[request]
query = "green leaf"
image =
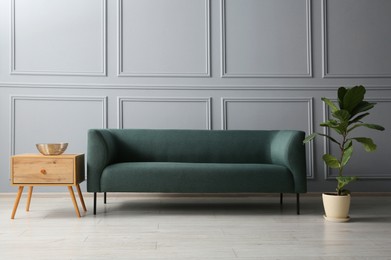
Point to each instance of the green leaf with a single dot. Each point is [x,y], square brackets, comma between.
[347,154]
[330,138]
[330,123]
[353,97]
[374,126]
[343,192]
[358,118]
[368,143]
[342,128]
[362,107]
[348,144]
[341,94]
[327,124]
[371,126]
[309,138]
[330,104]
[342,182]
[342,115]
[331,161]
[339,127]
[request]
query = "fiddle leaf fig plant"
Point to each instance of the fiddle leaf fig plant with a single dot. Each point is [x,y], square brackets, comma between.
[347,116]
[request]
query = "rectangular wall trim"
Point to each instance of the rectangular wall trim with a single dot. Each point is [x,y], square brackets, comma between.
[121,71]
[207,101]
[369,47]
[14,99]
[223,44]
[307,100]
[103,51]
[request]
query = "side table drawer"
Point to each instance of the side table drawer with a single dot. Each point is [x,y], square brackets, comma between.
[42,170]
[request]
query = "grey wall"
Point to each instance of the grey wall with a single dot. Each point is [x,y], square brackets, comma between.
[69,65]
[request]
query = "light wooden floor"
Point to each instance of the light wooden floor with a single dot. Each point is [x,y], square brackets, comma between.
[172,227]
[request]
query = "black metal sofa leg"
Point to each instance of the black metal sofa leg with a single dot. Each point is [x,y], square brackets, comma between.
[297,202]
[95,199]
[94,203]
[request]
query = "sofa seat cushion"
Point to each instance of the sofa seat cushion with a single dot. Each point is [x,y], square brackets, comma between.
[196,177]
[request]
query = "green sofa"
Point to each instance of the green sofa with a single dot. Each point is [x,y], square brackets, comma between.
[196,161]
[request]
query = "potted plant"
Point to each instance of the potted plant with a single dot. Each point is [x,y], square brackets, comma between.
[347,116]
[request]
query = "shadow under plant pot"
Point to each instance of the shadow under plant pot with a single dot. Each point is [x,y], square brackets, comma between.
[336,207]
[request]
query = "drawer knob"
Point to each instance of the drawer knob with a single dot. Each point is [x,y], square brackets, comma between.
[43,171]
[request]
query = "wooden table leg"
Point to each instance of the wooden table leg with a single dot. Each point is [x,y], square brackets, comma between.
[29,198]
[81,197]
[20,191]
[74,201]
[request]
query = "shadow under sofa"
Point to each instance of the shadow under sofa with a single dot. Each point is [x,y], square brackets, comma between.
[196,161]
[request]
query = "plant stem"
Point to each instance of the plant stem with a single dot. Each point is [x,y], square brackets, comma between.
[341,167]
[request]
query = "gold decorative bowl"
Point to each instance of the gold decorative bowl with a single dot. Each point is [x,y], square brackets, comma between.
[52,149]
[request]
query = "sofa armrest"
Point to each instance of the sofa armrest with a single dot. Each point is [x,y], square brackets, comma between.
[287,149]
[101,152]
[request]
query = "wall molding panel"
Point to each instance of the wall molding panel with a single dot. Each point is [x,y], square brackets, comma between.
[384,173]
[15,100]
[308,101]
[182,50]
[203,111]
[64,54]
[361,48]
[260,53]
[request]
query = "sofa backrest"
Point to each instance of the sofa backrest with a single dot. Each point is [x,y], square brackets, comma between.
[198,146]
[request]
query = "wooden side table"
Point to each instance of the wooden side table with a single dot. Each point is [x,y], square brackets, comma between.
[40,170]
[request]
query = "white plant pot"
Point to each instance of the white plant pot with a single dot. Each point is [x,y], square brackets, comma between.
[336,207]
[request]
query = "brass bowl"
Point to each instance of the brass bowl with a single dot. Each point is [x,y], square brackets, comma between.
[52,149]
